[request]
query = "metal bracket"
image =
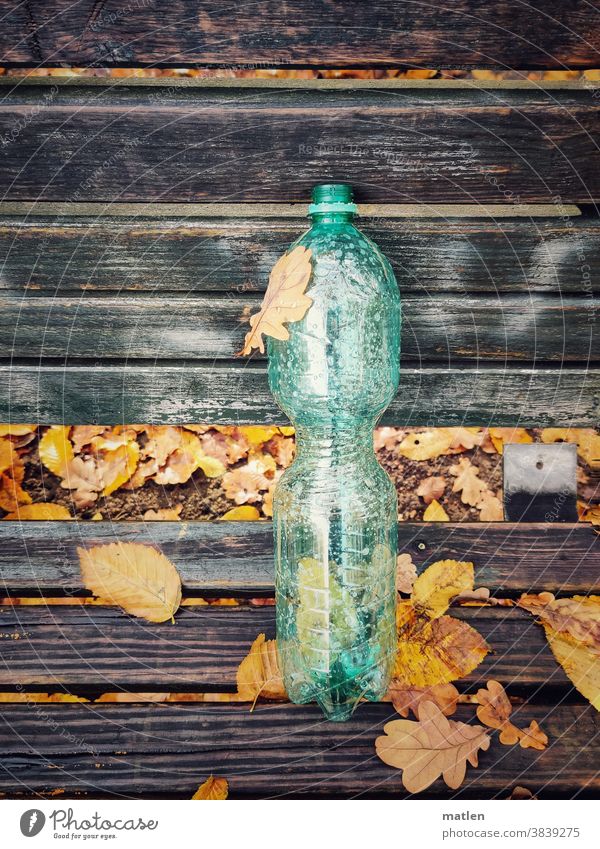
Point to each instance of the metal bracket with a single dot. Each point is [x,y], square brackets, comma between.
[540,482]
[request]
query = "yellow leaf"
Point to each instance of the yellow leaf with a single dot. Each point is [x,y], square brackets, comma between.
[138,578]
[285,300]
[434,651]
[44,511]
[55,449]
[501,436]
[211,467]
[215,789]
[588,447]
[435,513]
[245,513]
[435,588]
[426,445]
[8,455]
[580,662]
[490,508]
[255,435]
[16,429]
[258,674]
[163,514]
[118,466]
[433,747]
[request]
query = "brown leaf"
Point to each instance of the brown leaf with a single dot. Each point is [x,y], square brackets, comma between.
[521,793]
[258,674]
[431,489]
[214,789]
[406,573]
[138,578]
[490,508]
[433,747]
[467,482]
[494,711]
[285,300]
[164,514]
[387,438]
[481,596]
[84,477]
[404,698]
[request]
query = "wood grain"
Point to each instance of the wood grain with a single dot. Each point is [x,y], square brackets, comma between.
[76,142]
[225,393]
[46,648]
[279,751]
[482,328]
[236,558]
[469,33]
[63,254]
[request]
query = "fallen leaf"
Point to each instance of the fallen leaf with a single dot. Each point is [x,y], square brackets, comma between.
[406,573]
[387,438]
[245,484]
[245,513]
[184,461]
[435,513]
[164,514]
[435,588]
[282,449]
[284,301]
[214,789]
[581,663]
[8,455]
[494,710]
[501,436]
[118,466]
[43,511]
[467,482]
[17,429]
[405,699]
[521,793]
[431,489]
[83,476]
[490,508]
[433,747]
[425,445]
[55,449]
[464,438]
[258,674]
[82,435]
[136,577]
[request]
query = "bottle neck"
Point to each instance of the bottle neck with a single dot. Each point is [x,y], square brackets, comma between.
[345,442]
[331,217]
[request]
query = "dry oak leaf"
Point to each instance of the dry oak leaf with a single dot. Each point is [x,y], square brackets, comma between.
[17,429]
[43,511]
[258,674]
[214,789]
[467,482]
[464,438]
[55,449]
[282,449]
[136,577]
[405,699]
[435,588]
[82,435]
[433,747]
[387,437]
[490,508]
[431,488]
[284,301]
[435,513]
[425,445]
[245,484]
[406,573]
[82,475]
[494,709]
[501,436]
[184,461]
[434,651]
[164,514]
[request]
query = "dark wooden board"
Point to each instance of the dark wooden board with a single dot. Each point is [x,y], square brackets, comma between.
[278,751]
[65,253]
[236,558]
[446,329]
[44,648]
[468,33]
[76,142]
[224,393]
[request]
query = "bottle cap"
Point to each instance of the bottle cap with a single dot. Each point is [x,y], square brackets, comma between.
[332,197]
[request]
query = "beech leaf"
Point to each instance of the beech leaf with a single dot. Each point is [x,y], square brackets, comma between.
[435,513]
[435,588]
[55,449]
[43,511]
[284,301]
[213,789]
[136,577]
[258,674]
[433,747]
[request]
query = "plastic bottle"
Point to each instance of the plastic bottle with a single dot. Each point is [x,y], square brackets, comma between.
[335,508]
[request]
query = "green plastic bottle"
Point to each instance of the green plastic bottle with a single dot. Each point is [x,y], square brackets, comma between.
[335,508]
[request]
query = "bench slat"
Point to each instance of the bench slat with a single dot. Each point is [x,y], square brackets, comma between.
[67,253]
[485,328]
[279,750]
[393,143]
[236,558]
[505,33]
[238,393]
[49,647]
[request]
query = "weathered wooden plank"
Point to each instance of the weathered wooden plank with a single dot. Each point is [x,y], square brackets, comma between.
[66,253]
[278,751]
[485,328]
[236,558]
[503,33]
[49,647]
[395,143]
[223,393]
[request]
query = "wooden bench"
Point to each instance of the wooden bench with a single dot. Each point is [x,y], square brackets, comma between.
[138,222]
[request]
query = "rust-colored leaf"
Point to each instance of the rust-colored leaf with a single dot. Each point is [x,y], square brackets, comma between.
[213,789]
[468,482]
[494,711]
[405,699]
[431,488]
[258,674]
[406,573]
